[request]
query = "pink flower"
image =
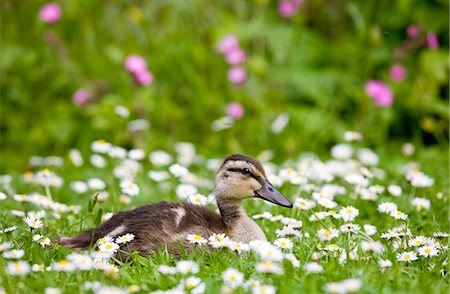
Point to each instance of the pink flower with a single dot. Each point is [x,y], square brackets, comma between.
[380,93]
[236,56]
[397,72]
[288,8]
[237,75]
[144,77]
[50,12]
[228,44]
[81,97]
[135,64]
[432,41]
[412,31]
[235,110]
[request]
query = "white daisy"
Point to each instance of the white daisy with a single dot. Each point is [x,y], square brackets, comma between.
[387,207]
[372,246]
[268,266]
[218,240]
[233,278]
[198,199]
[32,222]
[427,251]
[348,213]
[395,190]
[187,267]
[100,146]
[369,229]
[185,190]
[160,158]
[407,256]
[304,204]
[129,188]
[421,203]
[14,254]
[314,267]
[196,239]
[19,268]
[327,234]
[398,214]
[108,247]
[125,238]
[283,243]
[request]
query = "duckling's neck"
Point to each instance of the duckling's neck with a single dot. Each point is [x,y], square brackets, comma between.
[241,227]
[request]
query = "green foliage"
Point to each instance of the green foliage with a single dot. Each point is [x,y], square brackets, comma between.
[312,66]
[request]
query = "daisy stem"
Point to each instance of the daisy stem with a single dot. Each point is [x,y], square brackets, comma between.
[47,192]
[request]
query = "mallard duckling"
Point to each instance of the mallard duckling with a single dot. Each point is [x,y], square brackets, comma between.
[166,225]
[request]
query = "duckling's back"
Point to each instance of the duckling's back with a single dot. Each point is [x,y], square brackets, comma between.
[155,226]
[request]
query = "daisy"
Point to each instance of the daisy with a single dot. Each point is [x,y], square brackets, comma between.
[196,239]
[104,239]
[333,214]
[108,247]
[407,256]
[333,248]
[417,241]
[81,261]
[304,204]
[18,268]
[348,213]
[334,287]
[117,152]
[422,180]
[352,285]
[198,199]
[32,222]
[288,230]
[327,203]
[398,214]
[270,252]
[187,267]
[97,161]
[5,246]
[350,228]
[45,242]
[351,136]
[283,243]
[292,222]
[427,251]
[218,240]
[384,263]
[327,234]
[342,151]
[158,176]
[100,146]
[318,216]
[387,207]
[194,285]
[369,229]
[421,203]
[294,261]
[129,188]
[111,271]
[268,266]
[238,246]
[38,268]
[136,154]
[313,267]
[372,246]
[14,254]
[125,238]
[96,184]
[233,278]
[440,235]
[63,266]
[395,190]
[185,190]
[160,158]
[178,170]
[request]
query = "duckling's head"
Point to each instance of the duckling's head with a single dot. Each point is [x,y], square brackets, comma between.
[242,177]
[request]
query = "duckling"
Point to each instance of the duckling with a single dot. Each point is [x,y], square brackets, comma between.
[166,225]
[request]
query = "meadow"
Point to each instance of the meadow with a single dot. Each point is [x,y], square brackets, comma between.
[110,105]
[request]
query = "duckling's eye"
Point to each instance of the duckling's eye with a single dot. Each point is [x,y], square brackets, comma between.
[245,171]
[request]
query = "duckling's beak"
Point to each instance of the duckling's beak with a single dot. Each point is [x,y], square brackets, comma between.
[269,193]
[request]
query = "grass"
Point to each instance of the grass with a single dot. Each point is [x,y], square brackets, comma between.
[418,276]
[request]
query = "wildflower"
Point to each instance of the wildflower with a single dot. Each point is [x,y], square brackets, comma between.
[327,234]
[283,243]
[81,261]
[45,242]
[342,151]
[97,161]
[196,239]
[187,267]
[229,43]
[427,251]
[32,222]
[50,12]
[268,266]
[237,75]
[112,271]
[63,266]
[19,268]
[397,73]
[407,256]
[125,238]
[352,285]
[348,213]
[108,247]
[432,41]
[14,254]
[222,123]
[129,188]
[264,289]
[81,96]
[294,261]
[184,191]
[79,187]
[380,93]
[398,214]
[395,190]
[387,207]
[369,229]
[5,246]
[194,285]
[96,184]
[238,246]
[236,57]
[422,180]
[384,263]
[350,228]
[144,77]
[351,136]
[198,199]
[75,157]
[327,203]
[421,203]
[178,170]
[122,111]
[218,240]
[233,278]
[100,146]
[38,268]
[106,216]
[334,287]
[165,269]
[373,246]
[436,234]
[50,290]
[314,267]
[235,110]
[333,248]
[368,157]
[269,252]
[287,8]
[158,176]
[117,152]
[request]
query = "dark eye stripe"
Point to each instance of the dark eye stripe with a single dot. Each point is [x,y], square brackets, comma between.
[244,171]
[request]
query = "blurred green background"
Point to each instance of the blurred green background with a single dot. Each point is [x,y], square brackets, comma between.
[312,65]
